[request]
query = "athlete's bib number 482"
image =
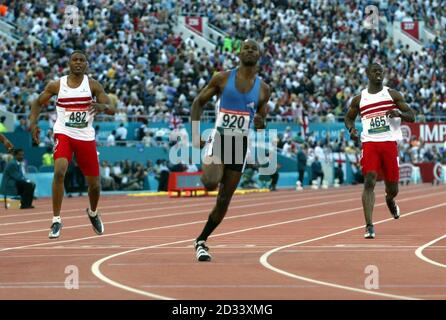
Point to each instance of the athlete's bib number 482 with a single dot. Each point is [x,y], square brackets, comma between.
[76,119]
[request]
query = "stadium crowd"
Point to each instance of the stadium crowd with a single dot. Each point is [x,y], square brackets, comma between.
[314,57]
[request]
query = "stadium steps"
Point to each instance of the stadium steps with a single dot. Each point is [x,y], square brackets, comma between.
[200,38]
[11,33]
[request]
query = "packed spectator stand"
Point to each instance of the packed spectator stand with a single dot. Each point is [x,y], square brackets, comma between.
[314,57]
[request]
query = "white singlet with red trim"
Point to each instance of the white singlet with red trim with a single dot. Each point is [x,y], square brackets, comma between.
[376,126]
[73,118]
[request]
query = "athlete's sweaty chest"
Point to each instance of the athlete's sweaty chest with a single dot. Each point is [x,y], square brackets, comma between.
[244,86]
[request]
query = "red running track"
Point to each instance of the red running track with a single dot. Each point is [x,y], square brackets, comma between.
[281,245]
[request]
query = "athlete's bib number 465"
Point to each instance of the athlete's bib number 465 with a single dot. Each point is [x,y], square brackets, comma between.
[378,125]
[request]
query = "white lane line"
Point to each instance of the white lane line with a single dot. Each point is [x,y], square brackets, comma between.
[95,268]
[264,258]
[203,201]
[172,207]
[183,213]
[223,286]
[58,242]
[49,287]
[192,286]
[193,212]
[42,282]
[419,252]
[144,201]
[175,225]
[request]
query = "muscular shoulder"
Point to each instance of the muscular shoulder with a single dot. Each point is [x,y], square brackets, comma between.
[265,88]
[95,86]
[396,95]
[221,77]
[219,80]
[53,87]
[355,101]
[93,83]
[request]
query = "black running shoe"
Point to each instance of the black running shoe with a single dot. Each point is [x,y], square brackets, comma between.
[369,232]
[202,251]
[55,230]
[96,222]
[394,209]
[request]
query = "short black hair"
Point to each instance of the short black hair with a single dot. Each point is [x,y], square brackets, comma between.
[78,51]
[16,151]
[371,64]
[252,41]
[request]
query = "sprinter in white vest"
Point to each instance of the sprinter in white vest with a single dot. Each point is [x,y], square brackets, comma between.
[79,98]
[381,110]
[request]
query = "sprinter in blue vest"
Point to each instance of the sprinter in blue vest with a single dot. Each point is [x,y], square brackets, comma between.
[242,105]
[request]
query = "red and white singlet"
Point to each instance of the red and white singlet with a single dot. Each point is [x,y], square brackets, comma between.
[376,126]
[73,118]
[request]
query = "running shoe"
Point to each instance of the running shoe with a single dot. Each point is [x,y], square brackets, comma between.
[369,232]
[55,230]
[202,251]
[96,222]
[393,207]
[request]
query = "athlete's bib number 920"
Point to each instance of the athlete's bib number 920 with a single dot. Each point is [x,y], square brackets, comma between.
[378,125]
[76,119]
[233,121]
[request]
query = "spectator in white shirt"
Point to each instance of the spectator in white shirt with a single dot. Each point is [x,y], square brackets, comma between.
[287,150]
[111,139]
[121,134]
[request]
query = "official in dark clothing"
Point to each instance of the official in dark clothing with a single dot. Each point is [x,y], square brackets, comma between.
[14,181]
[301,164]
[339,174]
[316,170]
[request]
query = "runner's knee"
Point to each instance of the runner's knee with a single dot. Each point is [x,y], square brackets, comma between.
[94,186]
[210,183]
[369,181]
[59,175]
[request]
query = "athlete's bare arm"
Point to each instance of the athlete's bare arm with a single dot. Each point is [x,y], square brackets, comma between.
[213,88]
[404,111]
[50,90]
[260,116]
[8,145]
[350,117]
[102,103]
